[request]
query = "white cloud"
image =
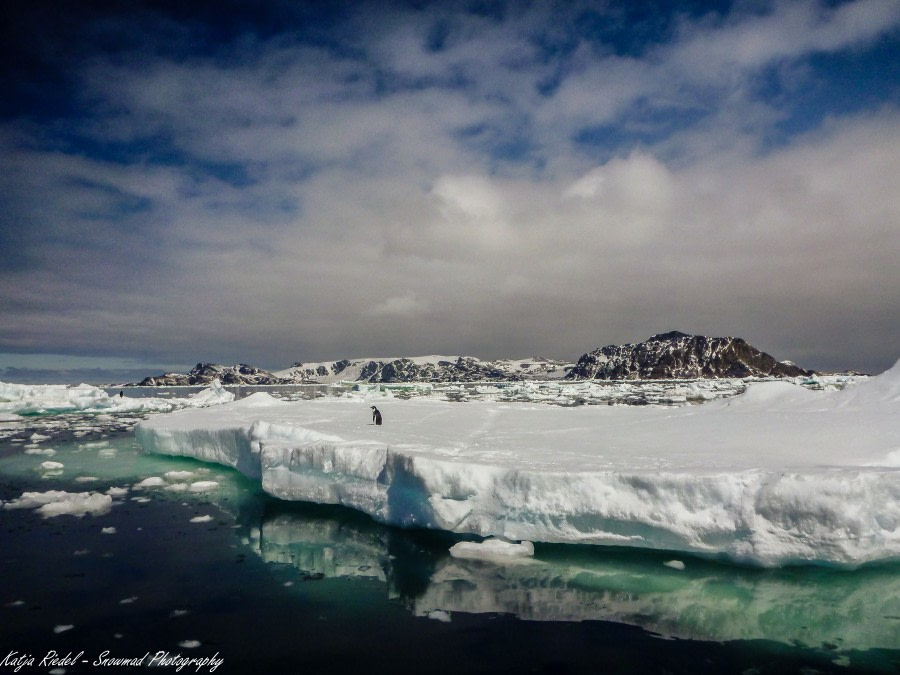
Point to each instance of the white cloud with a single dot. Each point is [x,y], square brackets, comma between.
[406,306]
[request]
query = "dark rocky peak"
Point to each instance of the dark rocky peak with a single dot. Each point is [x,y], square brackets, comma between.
[675,355]
[671,335]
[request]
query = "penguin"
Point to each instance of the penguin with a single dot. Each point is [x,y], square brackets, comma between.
[376,415]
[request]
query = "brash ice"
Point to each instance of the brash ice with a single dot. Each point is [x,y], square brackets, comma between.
[777,475]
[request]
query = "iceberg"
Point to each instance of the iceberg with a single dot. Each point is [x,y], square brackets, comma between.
[775,476]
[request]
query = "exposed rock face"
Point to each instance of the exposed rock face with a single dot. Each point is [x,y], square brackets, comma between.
[204,373]
[677,355]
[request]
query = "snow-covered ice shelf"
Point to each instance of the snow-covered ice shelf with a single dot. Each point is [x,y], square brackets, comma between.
[777,475]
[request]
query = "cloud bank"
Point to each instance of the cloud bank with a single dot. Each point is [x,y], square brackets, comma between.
[496,179]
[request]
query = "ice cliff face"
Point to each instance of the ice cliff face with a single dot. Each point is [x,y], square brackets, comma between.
[677,355]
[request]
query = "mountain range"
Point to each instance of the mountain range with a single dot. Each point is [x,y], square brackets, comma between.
[672,355]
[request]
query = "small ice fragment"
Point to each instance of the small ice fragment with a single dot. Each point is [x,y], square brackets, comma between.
[48,452]
[140,500]
[86,479]
[51,466]
[153,481]
[178,475]
[674,564]
[15,603]
[189,644]
[177,487]
[201,519]
[128,601]
[203,486]
[57,671]
[178,612]
[62,628]
[492,549]
[439,615]
[117,491]
[108,530]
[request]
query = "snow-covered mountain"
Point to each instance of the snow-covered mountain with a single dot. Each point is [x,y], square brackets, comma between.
[426,369]
[667,356]
[204,373]
[677,355]
[388,370]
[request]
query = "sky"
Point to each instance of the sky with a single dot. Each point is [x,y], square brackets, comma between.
[275,181]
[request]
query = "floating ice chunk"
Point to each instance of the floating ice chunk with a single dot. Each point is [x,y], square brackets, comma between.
[15,603]
[492,549]
[674,564]
[117,491]
[62,628]
[439,615]
[52,466]
[108,530]
[128,601]
[178,475]
[177,487]
[47,452]
[86,479]
[175,613]
[152,482]
[203,486]
[189,644]
[201,519]
[58,503]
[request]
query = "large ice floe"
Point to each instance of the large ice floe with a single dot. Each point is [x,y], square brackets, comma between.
[777,475]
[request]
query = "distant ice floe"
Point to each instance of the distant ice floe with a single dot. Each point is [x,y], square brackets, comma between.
[780,474]
[27,399]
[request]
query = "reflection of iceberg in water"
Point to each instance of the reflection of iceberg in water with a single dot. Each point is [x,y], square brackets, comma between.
[705,601]
[325,546]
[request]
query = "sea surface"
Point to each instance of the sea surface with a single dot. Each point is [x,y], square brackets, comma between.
[198,571]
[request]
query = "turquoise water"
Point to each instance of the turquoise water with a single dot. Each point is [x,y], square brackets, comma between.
[245,581]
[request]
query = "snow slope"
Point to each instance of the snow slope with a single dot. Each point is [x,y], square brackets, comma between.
[775,476]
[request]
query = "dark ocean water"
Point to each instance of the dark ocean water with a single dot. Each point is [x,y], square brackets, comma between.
[250,584]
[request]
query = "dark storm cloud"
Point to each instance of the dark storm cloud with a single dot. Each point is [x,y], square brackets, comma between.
[272,182]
